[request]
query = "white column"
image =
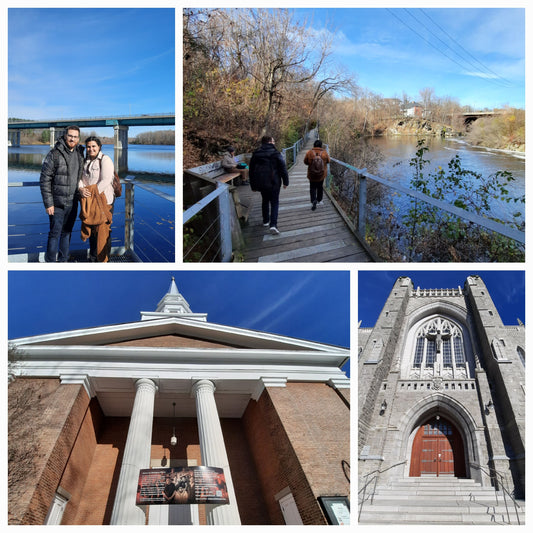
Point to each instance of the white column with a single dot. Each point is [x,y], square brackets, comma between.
[213,451]
[136,456]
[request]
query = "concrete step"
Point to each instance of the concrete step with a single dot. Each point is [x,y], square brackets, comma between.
[400,518]
[439,501]
[475,493]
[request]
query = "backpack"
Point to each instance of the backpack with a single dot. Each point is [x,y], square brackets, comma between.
[316,167]
[117,186]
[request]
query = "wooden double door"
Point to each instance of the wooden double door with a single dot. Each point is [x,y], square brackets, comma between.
[437,450]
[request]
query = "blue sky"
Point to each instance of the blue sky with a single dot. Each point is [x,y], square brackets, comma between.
[90,62]
[474,55]
[306,305]
[507,289]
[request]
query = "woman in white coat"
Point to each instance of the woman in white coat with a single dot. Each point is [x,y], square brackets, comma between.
[96,192]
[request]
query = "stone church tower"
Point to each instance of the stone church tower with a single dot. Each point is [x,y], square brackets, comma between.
[442,390]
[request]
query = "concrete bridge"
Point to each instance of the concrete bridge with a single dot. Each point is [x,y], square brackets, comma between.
[120,125]
[472,116]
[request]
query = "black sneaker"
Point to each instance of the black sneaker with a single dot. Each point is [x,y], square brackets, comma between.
[314,206]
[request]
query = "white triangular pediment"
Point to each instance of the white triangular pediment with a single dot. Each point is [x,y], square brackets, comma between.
[159,327]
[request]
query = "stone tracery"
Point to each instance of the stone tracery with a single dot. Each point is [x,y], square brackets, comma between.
[439,350]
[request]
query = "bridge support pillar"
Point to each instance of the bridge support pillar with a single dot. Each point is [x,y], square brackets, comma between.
[55,135]
[121,148]
[121,137]
[14,137]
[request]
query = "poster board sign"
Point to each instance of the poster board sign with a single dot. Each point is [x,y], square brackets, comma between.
[182,485]
[336,509]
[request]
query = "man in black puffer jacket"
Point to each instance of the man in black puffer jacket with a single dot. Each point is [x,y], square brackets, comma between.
[267,173]
[60,173]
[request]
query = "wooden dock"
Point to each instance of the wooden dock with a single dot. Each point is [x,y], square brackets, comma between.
[306,236]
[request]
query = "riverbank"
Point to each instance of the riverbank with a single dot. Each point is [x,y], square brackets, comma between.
[419,127]
[519,153]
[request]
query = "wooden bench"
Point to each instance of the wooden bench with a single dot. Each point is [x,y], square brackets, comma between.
[216,172]
[228,176]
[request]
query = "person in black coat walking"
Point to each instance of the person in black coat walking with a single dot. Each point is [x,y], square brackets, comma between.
[60,173]
[267,173]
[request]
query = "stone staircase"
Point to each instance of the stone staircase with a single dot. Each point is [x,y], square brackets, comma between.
[439,500]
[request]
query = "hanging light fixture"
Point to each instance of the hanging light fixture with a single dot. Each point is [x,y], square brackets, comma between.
[174,439]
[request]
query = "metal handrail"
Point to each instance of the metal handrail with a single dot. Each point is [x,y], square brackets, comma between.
[502,482]
[375,480]
[297,147]
[487,223]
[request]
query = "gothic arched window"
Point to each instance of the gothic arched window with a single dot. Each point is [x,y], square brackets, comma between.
[439,348]
[521,354]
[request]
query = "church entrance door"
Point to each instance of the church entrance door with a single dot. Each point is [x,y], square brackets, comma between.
[437,450]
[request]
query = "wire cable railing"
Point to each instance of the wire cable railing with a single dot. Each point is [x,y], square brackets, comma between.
[151,242]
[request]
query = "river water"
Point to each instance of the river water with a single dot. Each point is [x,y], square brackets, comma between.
[152,168]
[399,150]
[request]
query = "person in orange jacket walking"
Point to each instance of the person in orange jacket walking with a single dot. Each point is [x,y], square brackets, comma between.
[316,160]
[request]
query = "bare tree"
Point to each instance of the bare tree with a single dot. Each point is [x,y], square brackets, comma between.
[427,94]
[278,52]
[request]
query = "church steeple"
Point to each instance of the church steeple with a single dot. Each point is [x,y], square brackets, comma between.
[173,304]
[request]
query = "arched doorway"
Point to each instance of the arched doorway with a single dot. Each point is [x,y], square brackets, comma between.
[437,450]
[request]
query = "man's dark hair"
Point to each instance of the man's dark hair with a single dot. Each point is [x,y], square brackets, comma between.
[266,139]
[72,127]
[317,144]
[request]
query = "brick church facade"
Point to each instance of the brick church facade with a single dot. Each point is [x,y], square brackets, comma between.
[441,393]
[89,408]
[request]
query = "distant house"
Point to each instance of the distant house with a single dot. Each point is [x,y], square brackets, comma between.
[413,109]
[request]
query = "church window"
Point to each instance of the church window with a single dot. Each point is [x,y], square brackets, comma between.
[419,352]
[431,353]
[447,354]
[439,348]
[521,355]
[459,352]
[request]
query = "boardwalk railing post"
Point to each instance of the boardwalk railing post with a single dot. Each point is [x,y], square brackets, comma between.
[224,206]
[128,216]
[361,221]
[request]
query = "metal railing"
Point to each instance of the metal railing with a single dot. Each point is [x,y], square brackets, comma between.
[290,153]
[211,240]
[374,480]
[348,188]
[122,247]
[500,483]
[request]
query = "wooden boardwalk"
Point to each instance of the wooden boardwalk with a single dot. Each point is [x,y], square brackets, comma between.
[306,236]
